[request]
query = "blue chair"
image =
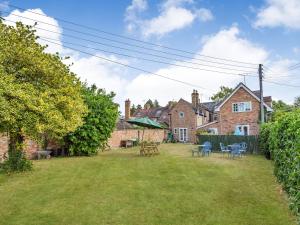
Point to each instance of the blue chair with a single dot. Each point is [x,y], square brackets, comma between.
[224,149]
[206,148]
[243,146]
[235,150]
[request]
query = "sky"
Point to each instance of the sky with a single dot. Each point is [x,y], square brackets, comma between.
[218,41]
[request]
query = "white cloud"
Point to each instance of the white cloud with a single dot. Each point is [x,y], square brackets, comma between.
[204,14]
[48,24]
[285,13]
[172,19]
[132,12]
[173,15]
[226,43]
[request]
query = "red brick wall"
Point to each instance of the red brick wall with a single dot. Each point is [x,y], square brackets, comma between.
[149,135]
[189,121]
[229,120]
[3,143]
[30,146]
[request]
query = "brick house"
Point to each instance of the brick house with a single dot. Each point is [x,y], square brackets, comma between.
[240,110]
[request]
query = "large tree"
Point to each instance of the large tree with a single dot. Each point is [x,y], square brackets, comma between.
[297,102]
[38,93]
[220,95]
[98,123]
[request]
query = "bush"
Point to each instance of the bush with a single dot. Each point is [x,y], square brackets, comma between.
[98,124]
[282,139]
[16,161]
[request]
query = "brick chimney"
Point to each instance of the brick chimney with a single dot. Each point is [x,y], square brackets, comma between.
[127,109]
[195,98]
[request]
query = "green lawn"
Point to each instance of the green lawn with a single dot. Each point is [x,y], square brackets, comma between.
[119,187]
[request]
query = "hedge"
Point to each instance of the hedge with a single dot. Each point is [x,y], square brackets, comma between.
[281,139]
[215,140]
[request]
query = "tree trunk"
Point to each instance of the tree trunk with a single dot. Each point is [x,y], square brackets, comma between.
[16,142]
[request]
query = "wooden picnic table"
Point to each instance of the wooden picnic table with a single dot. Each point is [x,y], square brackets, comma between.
[149,148]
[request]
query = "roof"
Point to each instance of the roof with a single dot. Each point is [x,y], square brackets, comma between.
[266,98]
[241,85]
[123,125]
[161,114]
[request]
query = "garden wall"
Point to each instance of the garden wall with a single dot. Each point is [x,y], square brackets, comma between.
[251,140]
[30,146]
[117,136]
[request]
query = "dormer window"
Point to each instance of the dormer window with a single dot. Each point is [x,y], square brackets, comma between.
[181,114]
[241,107]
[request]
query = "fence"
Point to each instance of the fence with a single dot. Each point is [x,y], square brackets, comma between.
[251,140]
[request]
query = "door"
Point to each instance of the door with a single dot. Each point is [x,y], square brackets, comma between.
[183,136]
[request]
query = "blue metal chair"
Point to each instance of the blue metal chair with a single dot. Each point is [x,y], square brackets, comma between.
[235,150]
[243,148]
[206,148]
[224,149]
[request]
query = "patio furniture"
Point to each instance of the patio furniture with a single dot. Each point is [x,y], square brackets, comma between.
[148,149]
[206,148]
[43,154]
[235,150]
[243,148]
[224,149]
[196,150]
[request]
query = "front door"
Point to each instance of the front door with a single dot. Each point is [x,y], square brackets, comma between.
[183,137]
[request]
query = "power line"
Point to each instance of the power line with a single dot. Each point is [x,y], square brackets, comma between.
[282,84]
[124,43]
[150,60]
[132,39]
[132,67]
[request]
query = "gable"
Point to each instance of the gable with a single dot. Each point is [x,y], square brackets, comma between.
[243,88]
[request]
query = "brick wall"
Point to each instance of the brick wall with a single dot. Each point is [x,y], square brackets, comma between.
[149,135]
[229,120]
[189,120]
[3,143]
[30,146]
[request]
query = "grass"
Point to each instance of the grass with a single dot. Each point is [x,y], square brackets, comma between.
[119,187]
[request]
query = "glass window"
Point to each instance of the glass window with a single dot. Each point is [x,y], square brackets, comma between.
[181,114]
[241,107]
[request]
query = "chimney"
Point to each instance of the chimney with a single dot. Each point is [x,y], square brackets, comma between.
[127,109]
[195,98]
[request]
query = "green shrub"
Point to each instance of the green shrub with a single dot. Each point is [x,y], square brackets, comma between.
[282,139]
[16,161]
[98,124]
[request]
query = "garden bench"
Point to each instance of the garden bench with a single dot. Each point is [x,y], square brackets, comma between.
[43,154]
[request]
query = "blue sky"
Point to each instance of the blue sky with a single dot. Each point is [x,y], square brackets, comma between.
[266,31]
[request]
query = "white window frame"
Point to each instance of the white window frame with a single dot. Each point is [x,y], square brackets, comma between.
[186,137]
[242,126]
[239,107]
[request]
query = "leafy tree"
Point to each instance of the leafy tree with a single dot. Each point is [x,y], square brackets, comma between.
[133,109]
[98,124]
[220,95]
[38,93]
[156,103]
[297,102]
[280,107]
[150,103]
